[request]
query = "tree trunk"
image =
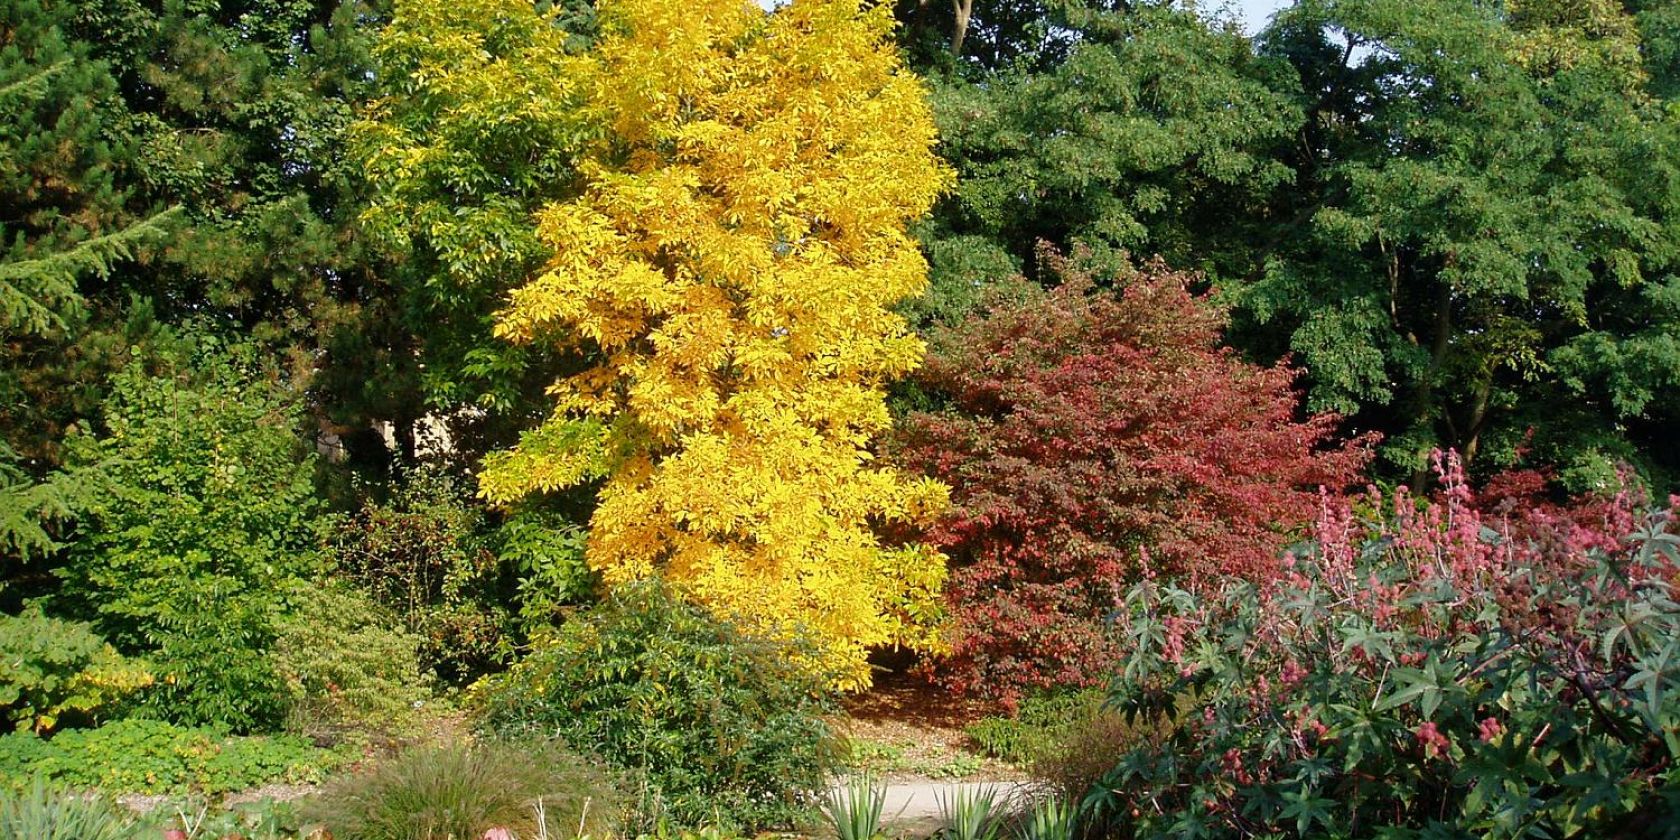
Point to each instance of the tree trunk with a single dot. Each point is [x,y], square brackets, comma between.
[959,32]
[1437,360]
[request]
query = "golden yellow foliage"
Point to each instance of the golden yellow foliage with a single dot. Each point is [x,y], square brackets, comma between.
[729,260]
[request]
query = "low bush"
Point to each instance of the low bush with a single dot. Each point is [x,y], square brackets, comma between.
[423,554]
[39,812]
[56,672]
[532,788]
[1082,753]
[154,757]
[350,671]
[1040,723]
[723,727]
[1422,670]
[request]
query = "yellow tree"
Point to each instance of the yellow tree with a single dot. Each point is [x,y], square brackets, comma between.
[728,262]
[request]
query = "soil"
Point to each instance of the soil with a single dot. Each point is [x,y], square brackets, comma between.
[908,730]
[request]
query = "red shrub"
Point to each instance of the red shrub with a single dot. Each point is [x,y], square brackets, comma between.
[1091,437]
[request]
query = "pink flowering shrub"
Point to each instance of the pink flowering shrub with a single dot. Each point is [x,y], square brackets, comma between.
[1466,665]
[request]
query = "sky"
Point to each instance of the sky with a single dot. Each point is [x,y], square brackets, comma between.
[1256,13]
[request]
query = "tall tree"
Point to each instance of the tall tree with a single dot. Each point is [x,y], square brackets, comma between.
[234,112]
[1154,133]
[63,221]
[464,143]
[732,238]
[1482,238]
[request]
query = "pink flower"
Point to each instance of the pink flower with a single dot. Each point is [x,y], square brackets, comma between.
[1490,730]
[1432,740]
[1291,673]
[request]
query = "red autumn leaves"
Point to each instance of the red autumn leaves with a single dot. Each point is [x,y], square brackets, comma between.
[1092,436]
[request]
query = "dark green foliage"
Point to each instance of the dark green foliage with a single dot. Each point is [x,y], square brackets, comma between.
[235,111]
[64,219]
[1481,235]
[61,205]
[153,757]
[1153,135]
[424,554]
[1459,218]
[724,728]
[462,792]
[35,512]
[210,526]
[55,673]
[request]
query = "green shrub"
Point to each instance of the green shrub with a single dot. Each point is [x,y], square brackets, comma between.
[532,788]
[424,555]
[1430,672]
[54,672]
[723,727]
[41,813]
[1039,724]
[547,552]
[349,673]
[154,757]
[210,523]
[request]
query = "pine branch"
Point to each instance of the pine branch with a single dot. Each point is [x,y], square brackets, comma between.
[30,510]
[33,84]
[38,295]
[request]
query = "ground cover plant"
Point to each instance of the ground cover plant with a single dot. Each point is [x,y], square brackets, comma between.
[1424,668]
[136,755]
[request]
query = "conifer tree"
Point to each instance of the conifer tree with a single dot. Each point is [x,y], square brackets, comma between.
[61,221]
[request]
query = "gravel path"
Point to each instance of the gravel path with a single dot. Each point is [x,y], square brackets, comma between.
[914,807]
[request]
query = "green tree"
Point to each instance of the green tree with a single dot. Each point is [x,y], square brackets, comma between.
[1155,133]
[235,112]
[1480,239]
[460,149]
[62,222]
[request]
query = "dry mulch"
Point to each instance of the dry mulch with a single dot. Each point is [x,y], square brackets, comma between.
[924,724]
